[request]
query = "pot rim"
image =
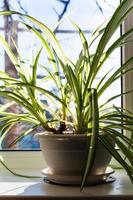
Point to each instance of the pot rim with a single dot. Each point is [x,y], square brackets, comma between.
[65,135]
[51,134]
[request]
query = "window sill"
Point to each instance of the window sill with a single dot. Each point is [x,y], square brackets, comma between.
[12,187]
[23,160]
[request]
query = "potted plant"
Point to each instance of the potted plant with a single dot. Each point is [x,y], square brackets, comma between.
[80,134]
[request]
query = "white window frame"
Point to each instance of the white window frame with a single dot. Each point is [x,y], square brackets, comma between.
[128,78]
[33,159]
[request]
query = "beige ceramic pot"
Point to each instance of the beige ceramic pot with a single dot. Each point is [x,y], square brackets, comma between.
[65,156]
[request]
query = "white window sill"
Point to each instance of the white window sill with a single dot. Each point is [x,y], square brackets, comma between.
[31,163]
[23,159]
[30,160]
[13,187]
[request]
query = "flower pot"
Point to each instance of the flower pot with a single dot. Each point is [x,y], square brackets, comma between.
[65,155]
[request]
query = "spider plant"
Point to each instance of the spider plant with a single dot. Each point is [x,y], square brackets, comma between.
[77,101]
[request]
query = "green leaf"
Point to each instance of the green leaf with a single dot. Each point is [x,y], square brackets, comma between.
[118,134]
[34,71]
[43,91]
[115,97]
[119,42]
[118,17]
[107,144]
[113,24]
[94,137]
[23,134]
[5,128]
[9,51]
[124,148]
[112,78]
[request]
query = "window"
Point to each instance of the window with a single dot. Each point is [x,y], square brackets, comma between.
[33,159]
[90,15]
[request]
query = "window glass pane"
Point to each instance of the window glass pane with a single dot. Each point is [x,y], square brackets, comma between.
[88,15]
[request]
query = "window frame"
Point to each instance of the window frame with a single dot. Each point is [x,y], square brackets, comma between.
[127,80]
[33,159]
